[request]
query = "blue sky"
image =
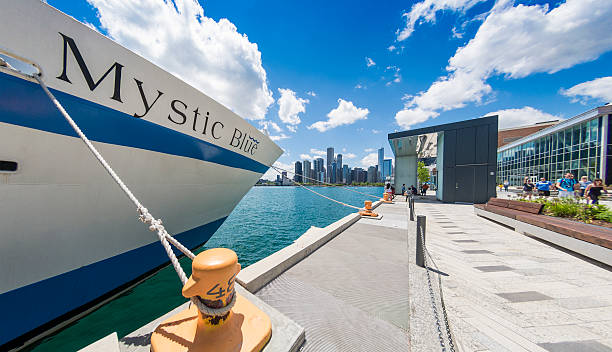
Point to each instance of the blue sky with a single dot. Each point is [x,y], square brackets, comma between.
[395,65]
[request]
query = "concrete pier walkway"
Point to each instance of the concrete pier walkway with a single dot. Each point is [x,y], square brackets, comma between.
[352,293]
[354,286]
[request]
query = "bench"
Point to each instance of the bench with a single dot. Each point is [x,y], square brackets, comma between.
[589,240]
[511,208]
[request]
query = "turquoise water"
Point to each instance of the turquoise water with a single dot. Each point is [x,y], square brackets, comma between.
[266,220]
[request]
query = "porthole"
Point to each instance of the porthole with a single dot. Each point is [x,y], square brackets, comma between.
[8,166]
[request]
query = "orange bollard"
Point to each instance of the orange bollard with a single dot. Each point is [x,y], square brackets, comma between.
[368,210]
[244,328]
[386,198]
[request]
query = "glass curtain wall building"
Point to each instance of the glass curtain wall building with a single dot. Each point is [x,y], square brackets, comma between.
[579,145]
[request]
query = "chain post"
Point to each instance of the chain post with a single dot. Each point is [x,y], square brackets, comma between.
[420,241]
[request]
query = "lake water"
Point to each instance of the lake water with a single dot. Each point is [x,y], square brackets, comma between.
[266,220]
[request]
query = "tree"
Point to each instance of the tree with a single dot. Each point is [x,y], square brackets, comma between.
[422,172]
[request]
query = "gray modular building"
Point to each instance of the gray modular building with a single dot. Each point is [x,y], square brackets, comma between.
[466,159]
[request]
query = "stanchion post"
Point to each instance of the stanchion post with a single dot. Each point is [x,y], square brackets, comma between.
[411,203]
[420,238]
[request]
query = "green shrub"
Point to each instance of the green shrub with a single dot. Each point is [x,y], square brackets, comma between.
[571,208]
[564,208]
[605,215]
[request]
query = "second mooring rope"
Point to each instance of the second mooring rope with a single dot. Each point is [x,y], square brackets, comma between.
[324,196]
[278,169]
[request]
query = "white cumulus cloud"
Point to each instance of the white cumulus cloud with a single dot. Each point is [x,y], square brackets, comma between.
[210,55]
[306,157]
[267,125]
[600,89]
[345,114]
[369,160]
[425,11]
[369,62]
[369,150]
[515,42]
[349,156]
[279,137]
[290,106]
[318,152]
[311,93]
[521,117]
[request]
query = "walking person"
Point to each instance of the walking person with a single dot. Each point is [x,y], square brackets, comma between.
[506,184]
[528,188]
[566,186]
[593,191]
[584,183]
[424,189]
[389,191]
[543,187]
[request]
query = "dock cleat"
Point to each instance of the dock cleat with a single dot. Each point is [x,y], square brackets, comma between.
[243,327]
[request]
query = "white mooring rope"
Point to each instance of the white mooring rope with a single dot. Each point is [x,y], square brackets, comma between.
[319,194]
[155,225]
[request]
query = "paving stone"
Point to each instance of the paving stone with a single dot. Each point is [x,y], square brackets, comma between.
[493,268]
[575,346]
[525,296]
[581,303]
[477,251]
[550,318]
[561,333]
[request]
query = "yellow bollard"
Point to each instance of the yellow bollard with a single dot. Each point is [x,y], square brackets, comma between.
[244,328]
[368,209]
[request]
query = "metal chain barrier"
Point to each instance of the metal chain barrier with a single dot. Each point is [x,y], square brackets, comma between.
[432,297]
[425,253]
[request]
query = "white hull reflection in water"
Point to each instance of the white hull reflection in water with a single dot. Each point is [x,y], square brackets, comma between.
[69,236]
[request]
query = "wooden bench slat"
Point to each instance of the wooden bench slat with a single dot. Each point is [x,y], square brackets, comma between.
[600,236]
[503,203]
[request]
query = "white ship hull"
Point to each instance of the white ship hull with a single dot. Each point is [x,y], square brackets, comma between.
[68,235]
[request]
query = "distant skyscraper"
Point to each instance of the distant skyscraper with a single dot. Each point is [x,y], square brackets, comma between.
[345,174]
[372,174]
[339,168]
[330,160]
[298,172]
[319,169]
[381,157]
[387,169]
[359,175]
[307,172]
[333,171]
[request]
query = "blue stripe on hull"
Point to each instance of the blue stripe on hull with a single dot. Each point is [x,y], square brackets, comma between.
[25,104]
[63,293]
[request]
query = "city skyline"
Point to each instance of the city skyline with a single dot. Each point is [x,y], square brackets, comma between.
[317,168]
